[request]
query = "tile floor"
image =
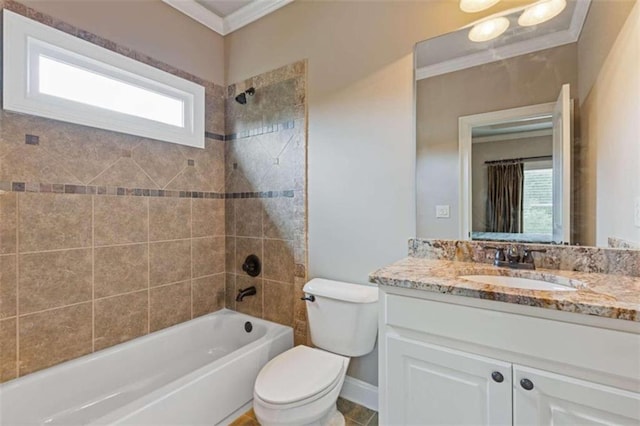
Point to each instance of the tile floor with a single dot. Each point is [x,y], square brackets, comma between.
[354,415]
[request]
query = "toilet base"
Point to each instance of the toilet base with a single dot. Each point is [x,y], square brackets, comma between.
[332,418]
[335,419]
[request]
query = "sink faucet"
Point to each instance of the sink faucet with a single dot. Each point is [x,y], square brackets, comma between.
[242,293]
[513,259]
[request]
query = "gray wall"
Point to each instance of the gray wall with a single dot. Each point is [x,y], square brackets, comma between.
[441,100]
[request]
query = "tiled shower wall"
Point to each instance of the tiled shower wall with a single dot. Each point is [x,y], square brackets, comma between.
[104,236]
[266,154]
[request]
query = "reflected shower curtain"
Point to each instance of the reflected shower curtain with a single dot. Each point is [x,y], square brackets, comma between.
[504,197]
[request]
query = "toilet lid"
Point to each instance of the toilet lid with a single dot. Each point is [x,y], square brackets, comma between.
[298,374]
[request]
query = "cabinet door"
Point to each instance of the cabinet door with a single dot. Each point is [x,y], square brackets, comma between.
[559,400]
[433,385]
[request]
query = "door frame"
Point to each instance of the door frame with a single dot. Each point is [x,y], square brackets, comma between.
[465,126]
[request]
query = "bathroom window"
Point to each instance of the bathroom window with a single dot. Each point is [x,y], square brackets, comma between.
[537,200]
[52,74]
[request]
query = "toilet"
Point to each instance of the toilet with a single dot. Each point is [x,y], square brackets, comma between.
[301,386]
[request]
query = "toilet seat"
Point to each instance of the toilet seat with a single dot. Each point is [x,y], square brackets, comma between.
[299,376]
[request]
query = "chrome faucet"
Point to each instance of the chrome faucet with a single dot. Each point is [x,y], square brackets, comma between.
[513,259]
[242,293]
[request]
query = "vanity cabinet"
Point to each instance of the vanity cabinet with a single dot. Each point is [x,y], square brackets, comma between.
[429,384]
[445,363]
[555,399]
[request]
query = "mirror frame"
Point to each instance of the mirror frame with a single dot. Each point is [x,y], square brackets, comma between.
[465,126]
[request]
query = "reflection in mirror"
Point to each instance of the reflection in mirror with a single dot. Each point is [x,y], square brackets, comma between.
[511,175]
[530,136]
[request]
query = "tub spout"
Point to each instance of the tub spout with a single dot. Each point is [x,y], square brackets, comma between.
[242,293]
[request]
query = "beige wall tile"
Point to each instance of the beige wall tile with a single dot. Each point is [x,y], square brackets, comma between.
[120,269]
[170,304]
[126,173]
[120,220]
[8,350]
[208,294]
[190,179]
[84,151]
[249,217]
[169,262]
[208,256]
[51,337]
[208,165]
[299,305]
[161,161]
[54,221]
[28,163]
[230,291]
[53,279]
[230,217]
[278,302]
[278,218]
[250,305]
[169,218]
[230,254]
[245,247]
[8,222]
[278,261]
[207,217]
[121,318]
[8,286]
[300,335]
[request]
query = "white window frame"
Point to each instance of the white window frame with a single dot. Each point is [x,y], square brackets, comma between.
[24,40]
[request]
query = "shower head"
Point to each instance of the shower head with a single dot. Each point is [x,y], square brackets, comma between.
[242,97]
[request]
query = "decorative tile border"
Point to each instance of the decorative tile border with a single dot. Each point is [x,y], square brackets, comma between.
[265,194]
[271,128]
[61,188]
[216,136]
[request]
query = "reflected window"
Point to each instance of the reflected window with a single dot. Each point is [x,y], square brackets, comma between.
[537,201]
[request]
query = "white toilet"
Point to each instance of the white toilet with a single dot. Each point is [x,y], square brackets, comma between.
[301,386]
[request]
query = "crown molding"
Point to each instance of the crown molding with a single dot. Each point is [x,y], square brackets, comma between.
[198,13]
[238,19]
[548,41]
[252,12]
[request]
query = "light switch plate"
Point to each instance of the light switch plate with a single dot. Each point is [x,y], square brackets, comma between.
[442,212]
[636,212]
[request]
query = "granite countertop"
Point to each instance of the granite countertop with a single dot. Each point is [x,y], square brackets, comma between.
[605,295]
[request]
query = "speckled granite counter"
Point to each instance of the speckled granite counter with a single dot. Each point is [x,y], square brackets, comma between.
[605,295]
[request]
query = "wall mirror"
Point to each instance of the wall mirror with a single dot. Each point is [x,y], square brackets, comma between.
[525,132]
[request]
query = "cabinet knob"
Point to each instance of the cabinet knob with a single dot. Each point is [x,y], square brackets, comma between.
[526,384]
[497,377]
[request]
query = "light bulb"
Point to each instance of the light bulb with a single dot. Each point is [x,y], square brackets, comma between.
[541,12]
[472,6]
[489,29]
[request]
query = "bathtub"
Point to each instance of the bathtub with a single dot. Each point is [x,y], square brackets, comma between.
[200,372]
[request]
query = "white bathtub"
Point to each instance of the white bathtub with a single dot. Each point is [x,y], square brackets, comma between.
[200,372]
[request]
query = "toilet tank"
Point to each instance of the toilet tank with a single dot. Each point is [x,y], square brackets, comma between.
[343,318]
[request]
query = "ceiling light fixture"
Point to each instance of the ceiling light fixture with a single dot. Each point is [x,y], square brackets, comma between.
[489,29]
[472,6]
[541,12]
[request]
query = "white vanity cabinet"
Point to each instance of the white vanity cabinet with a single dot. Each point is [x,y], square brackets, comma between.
[462,361]
[427,383]
[560,400]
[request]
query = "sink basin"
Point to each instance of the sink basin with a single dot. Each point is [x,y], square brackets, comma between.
[517,282]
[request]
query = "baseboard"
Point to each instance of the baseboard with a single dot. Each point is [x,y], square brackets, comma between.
[360,392]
